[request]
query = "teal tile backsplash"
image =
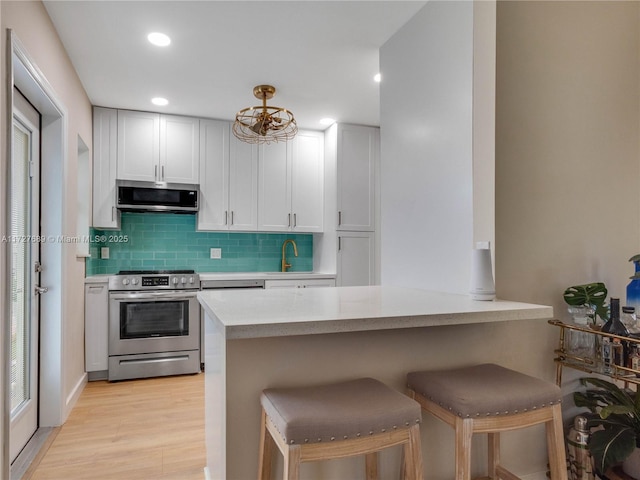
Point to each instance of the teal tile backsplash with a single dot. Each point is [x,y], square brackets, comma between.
[170,241]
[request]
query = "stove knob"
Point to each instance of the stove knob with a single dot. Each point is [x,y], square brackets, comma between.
[125,281]
[183,280]
[190,279]
[134,281]
[175,280]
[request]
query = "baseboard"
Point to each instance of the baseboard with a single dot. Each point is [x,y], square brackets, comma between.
[536,476]
[74,395]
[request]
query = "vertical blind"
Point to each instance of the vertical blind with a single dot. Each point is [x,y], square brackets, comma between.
[19,256]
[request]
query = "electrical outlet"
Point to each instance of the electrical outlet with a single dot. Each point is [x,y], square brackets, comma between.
[104,253]
[215,253]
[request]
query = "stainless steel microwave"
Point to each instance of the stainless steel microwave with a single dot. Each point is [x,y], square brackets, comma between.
[156,197]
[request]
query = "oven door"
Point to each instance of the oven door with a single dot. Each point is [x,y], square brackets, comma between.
[153,322]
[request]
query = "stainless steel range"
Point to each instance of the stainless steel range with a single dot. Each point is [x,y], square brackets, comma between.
[154,324]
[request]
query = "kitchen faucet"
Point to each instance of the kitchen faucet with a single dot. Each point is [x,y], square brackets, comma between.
[286,265]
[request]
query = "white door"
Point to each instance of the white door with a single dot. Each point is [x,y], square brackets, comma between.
[24,261]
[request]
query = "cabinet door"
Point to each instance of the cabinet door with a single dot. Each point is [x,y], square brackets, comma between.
[355,259]
[307,182]
[357,151]
[274,187]
[243,185]
[213,213]
[179,148]
[96,327]
[138,146]
[105,144]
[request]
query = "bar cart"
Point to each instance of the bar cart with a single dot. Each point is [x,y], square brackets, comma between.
[593,363]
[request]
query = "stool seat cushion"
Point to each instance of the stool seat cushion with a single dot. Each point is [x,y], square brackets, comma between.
[338,411]
[484,390]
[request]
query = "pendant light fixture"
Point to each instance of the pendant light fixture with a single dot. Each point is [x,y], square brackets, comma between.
[264,124]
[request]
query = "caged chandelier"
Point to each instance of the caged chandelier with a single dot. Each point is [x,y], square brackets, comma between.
[264,124]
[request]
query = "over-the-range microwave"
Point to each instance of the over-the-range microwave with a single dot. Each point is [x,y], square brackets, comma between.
[156,197]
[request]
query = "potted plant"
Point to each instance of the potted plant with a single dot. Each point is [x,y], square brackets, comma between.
[590,295]
[615,413]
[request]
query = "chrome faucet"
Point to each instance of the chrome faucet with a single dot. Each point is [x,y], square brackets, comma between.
[286,265]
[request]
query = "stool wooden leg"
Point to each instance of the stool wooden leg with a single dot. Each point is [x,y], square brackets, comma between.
[371,466]
[291,470]
[413,455]
[555,445]
[266,450]
[464,432]
[494,454]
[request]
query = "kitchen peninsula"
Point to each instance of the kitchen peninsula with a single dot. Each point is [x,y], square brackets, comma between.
[288,337]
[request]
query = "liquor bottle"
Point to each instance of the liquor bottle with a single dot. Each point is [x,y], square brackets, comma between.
[633,289]
[614,325]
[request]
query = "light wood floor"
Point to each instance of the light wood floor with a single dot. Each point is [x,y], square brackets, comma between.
[135,430]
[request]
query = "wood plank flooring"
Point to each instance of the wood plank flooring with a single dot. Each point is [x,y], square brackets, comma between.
[150,429]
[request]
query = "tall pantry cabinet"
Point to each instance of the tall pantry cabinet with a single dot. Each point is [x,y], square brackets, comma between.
[357,153]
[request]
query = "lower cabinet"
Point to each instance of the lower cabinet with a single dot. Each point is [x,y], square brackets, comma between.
[96,328]
[309,283]
[356,261]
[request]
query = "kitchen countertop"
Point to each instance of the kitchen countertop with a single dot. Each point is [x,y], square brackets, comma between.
[283,312]
[204,276]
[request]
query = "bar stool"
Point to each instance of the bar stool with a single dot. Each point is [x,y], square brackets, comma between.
[356,417]
[491,399]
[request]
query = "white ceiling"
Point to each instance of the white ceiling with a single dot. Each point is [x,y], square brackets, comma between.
[320,55]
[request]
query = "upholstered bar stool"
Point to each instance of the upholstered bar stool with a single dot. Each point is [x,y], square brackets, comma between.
[356,417]
[491,399]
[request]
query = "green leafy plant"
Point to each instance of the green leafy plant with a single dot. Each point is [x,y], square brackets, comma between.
[617,413]
[589,295]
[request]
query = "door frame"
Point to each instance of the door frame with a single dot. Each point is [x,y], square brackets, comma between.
[23,73]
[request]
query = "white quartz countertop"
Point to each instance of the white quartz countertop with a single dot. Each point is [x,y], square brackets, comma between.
[282,312]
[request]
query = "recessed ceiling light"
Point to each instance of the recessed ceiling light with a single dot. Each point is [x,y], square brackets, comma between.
[377,77]
[161,102]
[159,39]
[327,121]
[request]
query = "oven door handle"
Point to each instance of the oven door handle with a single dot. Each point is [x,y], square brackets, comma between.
[153,295]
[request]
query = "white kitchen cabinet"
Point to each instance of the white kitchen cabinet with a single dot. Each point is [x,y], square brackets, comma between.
[228,180]
[300,283]
[291,185]
[158,148]
[96,326]
[105,144]
[357,151]
[243,185]
[356,259]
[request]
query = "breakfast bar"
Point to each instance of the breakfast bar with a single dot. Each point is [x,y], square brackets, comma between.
[257,339]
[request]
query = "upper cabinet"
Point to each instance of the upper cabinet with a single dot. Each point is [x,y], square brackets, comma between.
[291,184]
[228,180]
[105,144]
[357,150]
[158,148]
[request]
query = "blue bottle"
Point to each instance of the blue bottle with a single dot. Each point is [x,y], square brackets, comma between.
[633,289]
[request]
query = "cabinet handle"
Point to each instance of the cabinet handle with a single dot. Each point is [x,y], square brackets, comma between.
[162,172]
[225,217]
[113,211]
[295,220]
[339,243]
[339,218]
[155,172]
[231,217]
[289,221]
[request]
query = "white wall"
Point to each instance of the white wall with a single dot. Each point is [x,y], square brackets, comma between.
[567,155]
[426,150]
